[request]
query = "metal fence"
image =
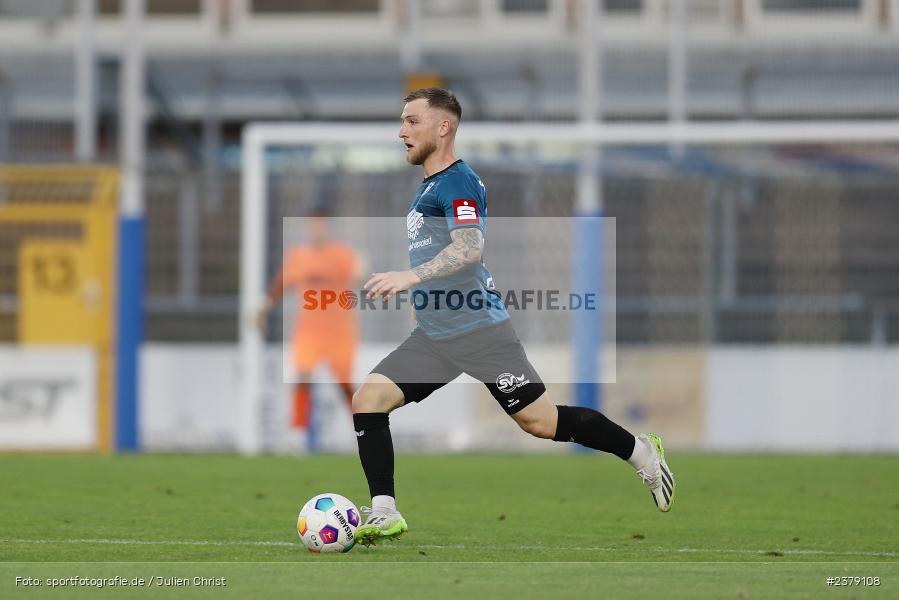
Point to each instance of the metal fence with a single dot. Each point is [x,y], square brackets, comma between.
[805,250]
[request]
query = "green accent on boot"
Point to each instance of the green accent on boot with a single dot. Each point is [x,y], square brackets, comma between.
[368,535]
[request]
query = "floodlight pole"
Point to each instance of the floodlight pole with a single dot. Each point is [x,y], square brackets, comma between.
[132,120]
[588,257]
[85,83]
[410,43]
[677,68]
[589,198]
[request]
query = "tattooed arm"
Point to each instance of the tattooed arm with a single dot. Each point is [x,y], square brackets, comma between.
[465,250]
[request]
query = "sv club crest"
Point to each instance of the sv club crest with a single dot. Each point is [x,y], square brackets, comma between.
[507,382]
[414,221]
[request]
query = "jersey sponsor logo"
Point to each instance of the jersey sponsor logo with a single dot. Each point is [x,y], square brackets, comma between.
[466,211]
[508,383]
[414,221]
[420,243]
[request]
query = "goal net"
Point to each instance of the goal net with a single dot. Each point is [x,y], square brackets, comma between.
[686,235]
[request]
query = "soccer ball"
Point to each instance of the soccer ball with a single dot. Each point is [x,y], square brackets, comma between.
[327,523]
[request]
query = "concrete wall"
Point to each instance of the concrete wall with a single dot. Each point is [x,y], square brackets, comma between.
[765,398]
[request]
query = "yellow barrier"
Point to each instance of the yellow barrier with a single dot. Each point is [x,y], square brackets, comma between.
[62,221]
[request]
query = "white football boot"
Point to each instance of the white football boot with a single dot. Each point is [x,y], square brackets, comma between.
[655,473]
[382,524]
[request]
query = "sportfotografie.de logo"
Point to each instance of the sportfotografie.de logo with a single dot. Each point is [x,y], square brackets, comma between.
[515,300]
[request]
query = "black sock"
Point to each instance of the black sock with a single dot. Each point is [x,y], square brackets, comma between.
[375,451]
[592,429]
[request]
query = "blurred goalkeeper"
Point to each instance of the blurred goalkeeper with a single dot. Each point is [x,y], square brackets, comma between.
[322,272]
[446,228]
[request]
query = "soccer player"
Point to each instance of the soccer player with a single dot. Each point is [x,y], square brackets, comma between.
[325,331]
[446,226]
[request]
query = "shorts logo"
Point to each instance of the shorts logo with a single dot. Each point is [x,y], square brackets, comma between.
[414,221]
[466,211]
[508,383]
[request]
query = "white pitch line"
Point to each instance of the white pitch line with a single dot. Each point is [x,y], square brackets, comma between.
[674,550]
[785,552]
[149,542]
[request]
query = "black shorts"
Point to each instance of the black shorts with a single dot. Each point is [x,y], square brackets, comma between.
[492,355]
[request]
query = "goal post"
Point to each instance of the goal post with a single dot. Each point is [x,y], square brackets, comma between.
[259,139]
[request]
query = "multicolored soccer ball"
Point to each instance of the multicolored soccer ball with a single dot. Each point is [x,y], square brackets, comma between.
[327,523]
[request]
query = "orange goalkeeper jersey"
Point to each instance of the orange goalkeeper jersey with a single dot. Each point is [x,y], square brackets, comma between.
[319,274]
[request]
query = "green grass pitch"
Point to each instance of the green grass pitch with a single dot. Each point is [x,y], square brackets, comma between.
[522,526]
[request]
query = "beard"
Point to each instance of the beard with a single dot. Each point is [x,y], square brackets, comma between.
[420,153]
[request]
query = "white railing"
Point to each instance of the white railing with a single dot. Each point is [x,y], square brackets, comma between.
[232,24]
